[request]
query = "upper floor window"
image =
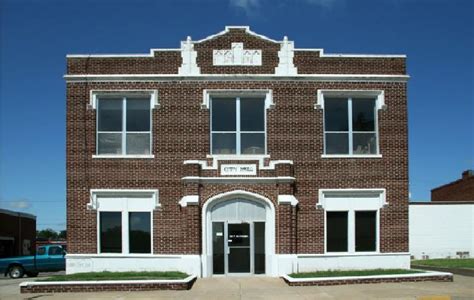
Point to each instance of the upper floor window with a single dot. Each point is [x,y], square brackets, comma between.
[350,126]
[123,125]
[238,126]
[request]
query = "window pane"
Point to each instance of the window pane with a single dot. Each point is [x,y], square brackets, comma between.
[363,114]
[223,143]
[365,230]
[109,143]
[336,115]
[110,115]
[218,248]
[364,143]
[138,114]
[252,116]
[138,143]
[259,247]
[336,230]
[55,251]
[139,224]
[110,232]
[223,115]
[337,143]
[252,143]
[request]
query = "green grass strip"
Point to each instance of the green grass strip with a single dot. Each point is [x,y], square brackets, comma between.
[467,263]
[341,273]
[117,276]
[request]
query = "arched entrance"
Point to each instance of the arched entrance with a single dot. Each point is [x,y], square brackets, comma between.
[238,234]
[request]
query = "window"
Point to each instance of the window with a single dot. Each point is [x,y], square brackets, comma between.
[350,126]
[238,126]
[365,230]
[110,232]
[114,229]
[123,125]
[41,251]
[351,231]
[336,223]
[139,232]
[55,250]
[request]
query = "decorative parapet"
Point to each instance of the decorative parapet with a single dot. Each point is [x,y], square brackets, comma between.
[237,56]
[285,66]
[188,55]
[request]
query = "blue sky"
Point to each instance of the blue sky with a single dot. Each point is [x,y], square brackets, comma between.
[437,36]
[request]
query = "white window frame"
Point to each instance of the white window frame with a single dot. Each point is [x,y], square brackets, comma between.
[237,131]
[122,201]
[350,95]
[122,95]
[351,201]
[351,232]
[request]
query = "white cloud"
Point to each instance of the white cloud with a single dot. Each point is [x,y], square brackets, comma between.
[323,3]
[249,6]
[17,204]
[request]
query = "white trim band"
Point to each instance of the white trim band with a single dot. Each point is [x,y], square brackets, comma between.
[234,77]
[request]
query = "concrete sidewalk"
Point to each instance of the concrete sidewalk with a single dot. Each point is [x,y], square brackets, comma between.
[229,288]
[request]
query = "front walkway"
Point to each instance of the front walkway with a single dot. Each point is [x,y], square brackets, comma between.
[229,288]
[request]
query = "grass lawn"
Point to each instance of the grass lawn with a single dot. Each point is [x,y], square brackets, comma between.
[467,263]
[117,276]
[336,273]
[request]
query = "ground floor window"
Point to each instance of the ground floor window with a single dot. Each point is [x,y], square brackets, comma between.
[139,232]
[336,223]
[351,231]
[115,227]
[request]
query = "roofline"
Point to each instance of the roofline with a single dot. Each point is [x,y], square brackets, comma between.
[321,51]
[17,213]
[233,77]
[443,202]
[457,181]
[226,30]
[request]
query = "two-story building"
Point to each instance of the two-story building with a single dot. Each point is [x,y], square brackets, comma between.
[236,153]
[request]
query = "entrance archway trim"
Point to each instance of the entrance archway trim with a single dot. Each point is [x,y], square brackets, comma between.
[206,255]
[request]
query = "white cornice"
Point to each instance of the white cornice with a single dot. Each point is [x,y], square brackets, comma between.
[242,180]
[233,77]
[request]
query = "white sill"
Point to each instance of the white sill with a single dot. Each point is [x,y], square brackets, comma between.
[237,156]
[351,156]
[123,156]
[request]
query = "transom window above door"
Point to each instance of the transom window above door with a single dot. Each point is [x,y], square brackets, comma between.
[238,126]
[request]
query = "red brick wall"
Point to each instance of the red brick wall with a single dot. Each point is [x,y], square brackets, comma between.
[459,190]
[181,132]
[310,62]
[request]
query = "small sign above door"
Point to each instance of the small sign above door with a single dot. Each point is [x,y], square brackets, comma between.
[236,170]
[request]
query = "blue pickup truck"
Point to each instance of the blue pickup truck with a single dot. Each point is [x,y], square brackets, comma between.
[48,258]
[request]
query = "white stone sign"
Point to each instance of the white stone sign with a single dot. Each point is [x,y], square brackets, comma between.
[229,170]
[237,56]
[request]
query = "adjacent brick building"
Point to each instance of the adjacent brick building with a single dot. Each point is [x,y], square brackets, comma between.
[236,153]
[459,190]
[17,233]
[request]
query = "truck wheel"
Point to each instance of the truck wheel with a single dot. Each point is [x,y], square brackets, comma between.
[16,272]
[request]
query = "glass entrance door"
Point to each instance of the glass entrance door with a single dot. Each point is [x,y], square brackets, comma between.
[238,243]
[238,248]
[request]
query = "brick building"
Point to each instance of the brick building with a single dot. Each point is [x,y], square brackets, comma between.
[17,233]
[459,190]
[236,153]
